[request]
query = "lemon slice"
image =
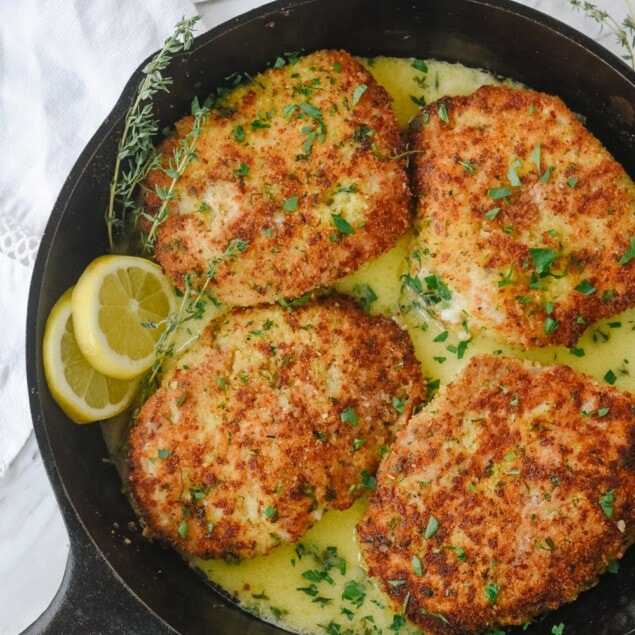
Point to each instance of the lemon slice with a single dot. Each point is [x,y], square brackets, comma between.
[119,307]
[84,394]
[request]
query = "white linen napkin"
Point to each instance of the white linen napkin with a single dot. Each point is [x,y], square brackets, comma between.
[63,65]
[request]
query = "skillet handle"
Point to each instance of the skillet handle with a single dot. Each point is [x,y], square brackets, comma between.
[92,599]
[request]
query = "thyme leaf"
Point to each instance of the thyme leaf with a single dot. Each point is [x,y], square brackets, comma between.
[623,31]
[182,156]
[191,307]
[136,155]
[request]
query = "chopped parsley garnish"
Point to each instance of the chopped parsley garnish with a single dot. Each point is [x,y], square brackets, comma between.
[468,166]
[342,225]
[610,377]
[551,325]
[239,134]
[420,65]
[630,253]
[358,92]
[181,400]
[585,287]
[548,545]
[349,416]
[412,282]
[354,592]
[358,443]
[362,132]
[313,575]
[512,173]
[606,502]
[398,404]
[397,622]
[260,123]
[242,170]
[546,175]
[365,295]
[443,113]
[491,592]
[496,193]
[459,350]
[311,111]
[271,513]
[492,213]
[163,454]
[416,565]
[183,529]
[368,480]
[535,156]
[296,302]
[436,284]
[290,204]
[432,386]
[506,278]
[543,259]
[431,528]
[438,616]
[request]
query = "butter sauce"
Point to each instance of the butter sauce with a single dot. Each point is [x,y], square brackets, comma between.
[319,585]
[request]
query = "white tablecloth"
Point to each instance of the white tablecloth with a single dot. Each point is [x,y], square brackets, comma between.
[62,66]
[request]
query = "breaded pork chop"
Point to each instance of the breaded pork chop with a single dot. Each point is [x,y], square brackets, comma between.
[275,416]
[524,216]
[506,497]
[299,164]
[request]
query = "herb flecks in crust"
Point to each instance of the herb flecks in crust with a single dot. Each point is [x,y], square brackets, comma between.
[298,164]
[534,240]
[507,496]
[274,416]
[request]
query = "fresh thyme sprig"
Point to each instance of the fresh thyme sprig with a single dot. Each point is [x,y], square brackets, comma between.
[191,307]
[624,32]
[136,155]
[181,157]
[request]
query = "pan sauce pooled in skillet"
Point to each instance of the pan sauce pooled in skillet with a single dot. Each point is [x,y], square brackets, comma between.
[527,224]
[506,497]
[274,416]
[300,165]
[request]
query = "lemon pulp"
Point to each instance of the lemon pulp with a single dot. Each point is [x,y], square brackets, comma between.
[120,306]
[83,393]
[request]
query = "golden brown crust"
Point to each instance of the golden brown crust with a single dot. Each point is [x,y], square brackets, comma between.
[547,264]
[276,159]
[512,461]
[270,420]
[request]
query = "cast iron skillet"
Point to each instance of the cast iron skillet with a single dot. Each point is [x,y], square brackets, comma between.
[118,582]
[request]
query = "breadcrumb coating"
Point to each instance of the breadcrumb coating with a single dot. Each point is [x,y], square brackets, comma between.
[507,496]
[273,417]
[523,215]
[300,165]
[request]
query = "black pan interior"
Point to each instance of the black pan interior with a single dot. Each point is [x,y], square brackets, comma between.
[498,36]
